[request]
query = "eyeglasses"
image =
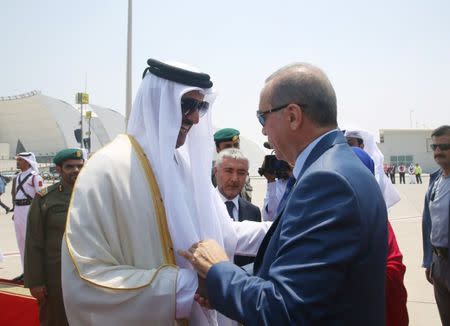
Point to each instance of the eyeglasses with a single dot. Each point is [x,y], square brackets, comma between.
[189,105]
[442,147]
[261,115]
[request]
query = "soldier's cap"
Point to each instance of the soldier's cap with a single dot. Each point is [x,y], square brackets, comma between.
[178,75]
[226,134]
[68,154]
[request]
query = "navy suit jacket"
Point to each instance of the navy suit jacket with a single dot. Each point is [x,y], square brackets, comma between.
[426,222]
[250,212]
[323,261]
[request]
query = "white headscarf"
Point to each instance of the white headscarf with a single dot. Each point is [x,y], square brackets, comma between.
[194,210]
[31,159]
[390,194]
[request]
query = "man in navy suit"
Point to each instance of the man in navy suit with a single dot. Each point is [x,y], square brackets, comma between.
[323,260]
[230,171]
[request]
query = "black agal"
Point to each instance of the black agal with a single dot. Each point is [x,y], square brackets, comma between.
[178,75]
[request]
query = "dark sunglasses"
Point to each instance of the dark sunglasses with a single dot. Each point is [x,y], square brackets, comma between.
[442,147]
[261,115]
[189,105]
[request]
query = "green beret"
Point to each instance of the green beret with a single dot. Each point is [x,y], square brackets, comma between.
[68,154]
[226,134]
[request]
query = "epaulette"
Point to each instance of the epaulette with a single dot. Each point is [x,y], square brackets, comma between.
[43,192]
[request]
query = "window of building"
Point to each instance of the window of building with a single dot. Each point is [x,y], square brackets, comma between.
[405,159]
[428,143]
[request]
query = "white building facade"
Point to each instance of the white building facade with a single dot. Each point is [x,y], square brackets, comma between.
[408,146]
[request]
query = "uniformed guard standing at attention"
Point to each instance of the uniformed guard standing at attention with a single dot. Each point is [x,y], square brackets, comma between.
[229,138]
[28,183]
[45,229]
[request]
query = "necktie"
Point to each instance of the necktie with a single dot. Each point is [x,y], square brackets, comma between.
[289,185]
[230,206]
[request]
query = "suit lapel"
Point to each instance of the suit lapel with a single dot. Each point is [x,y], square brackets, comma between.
[323,145]
[241,204]
[262,248]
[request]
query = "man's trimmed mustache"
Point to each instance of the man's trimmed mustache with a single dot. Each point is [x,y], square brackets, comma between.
[439,155]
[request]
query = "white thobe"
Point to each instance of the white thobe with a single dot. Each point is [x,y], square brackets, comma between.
[117,260]
[31,186]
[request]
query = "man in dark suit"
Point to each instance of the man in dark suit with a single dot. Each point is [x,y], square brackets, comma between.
[230,171]
[323,260]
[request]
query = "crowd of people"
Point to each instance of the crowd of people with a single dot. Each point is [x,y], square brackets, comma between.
[151,235]
[414,172]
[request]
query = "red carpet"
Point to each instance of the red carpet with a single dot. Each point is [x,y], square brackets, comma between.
[18,307]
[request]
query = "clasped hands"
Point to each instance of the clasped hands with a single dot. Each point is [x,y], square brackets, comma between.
[202,256]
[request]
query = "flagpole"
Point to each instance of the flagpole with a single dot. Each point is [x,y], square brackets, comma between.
[129,68]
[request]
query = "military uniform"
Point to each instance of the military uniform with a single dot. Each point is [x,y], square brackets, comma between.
[28,183]
[45,229]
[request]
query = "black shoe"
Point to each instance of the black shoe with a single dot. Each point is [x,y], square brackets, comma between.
[18,278]
[8,210]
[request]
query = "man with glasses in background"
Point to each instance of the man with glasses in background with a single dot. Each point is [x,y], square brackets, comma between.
[435,224]
[323,260]
[139,200]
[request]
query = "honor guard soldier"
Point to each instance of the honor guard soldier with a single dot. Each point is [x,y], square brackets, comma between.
[229,138]
[45,229]
[28,182]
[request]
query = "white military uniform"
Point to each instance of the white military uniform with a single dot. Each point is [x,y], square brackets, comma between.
[28,190]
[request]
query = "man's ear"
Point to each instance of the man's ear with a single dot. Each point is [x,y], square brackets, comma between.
[58,169]
[295,116]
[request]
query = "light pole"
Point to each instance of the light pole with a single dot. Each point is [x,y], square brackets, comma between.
[81,98]
[410,118]
[129,68]
[89,117]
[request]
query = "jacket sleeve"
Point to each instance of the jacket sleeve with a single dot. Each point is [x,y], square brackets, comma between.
[34,246]
[426,231]
[318,240]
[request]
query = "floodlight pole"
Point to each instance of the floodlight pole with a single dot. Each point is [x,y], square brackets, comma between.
[81,124]
[129,68]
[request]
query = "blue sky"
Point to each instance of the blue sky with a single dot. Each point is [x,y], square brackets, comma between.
[388,60]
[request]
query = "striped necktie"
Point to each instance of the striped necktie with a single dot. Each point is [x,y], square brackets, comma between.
[289,185]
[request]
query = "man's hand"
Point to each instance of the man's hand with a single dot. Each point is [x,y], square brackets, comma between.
[40,293]
[202,255]
[428,275]
[201,295]
[269,176]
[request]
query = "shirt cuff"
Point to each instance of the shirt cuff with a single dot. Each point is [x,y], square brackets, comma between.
[187,284]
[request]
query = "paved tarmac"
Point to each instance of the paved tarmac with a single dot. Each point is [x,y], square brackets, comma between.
[405,218]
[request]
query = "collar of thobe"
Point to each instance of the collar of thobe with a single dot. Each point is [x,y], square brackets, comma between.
[26,172]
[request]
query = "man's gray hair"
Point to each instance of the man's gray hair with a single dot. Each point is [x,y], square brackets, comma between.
[303,83]
[231,153]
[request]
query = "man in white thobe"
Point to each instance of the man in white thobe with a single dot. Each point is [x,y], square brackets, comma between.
[28,183]
[366,141]
[139,200]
